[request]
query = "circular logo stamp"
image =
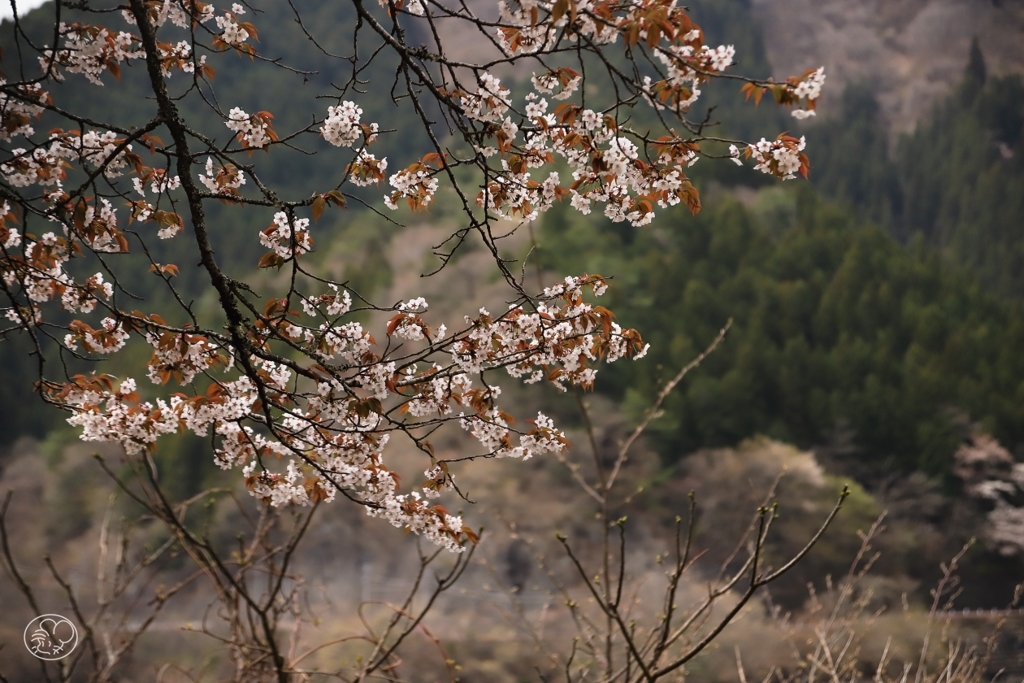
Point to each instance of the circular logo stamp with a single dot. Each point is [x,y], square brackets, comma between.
[51,637]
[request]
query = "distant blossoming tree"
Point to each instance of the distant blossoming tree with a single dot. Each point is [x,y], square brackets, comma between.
[294,391]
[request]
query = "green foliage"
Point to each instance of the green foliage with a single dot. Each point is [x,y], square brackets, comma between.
[961,175]
[976,71]
[836,325]
[23,413]
[184,465]
[956,180]
[850,158]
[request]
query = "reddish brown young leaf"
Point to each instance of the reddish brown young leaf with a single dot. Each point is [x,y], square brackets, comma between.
[317,209]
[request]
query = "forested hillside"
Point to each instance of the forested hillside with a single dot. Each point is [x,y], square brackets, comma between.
[956,181]
[882,308]
[840,331]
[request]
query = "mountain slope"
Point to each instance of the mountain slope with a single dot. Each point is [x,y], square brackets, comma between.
[910,52]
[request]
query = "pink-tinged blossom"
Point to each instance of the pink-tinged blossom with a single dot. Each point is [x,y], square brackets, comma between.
[90,50]
[286,237]
[490,101]
[342,126]
[253,131]
[323,441]
[17,111]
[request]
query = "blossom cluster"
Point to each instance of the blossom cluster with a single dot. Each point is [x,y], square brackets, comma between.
[608,165]
[17,109]
[100,229]
[418,186]
[91,50]
[414,7]
[342,127]
[42,275]
[802,92]
[565,338]
[687,63]
[178,13]
[159,181]
[366,169]
[808,90]
[39,269]
[110,337]
[179,56]
[83,299]
[38,167]
[232,32]
[607,168]
[332,438]
[519,32]
[45,164]
[254,130]
[10,237]
[782,157]
[182,355]
[336,304]
[416,183]
[226,181]
[98,150]
[565,80]
[490,101]
[622,171]
[287,237]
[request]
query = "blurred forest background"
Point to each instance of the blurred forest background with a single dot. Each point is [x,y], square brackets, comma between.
[878,334]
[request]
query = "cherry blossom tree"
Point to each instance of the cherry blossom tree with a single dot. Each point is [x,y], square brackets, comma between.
[579,101]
